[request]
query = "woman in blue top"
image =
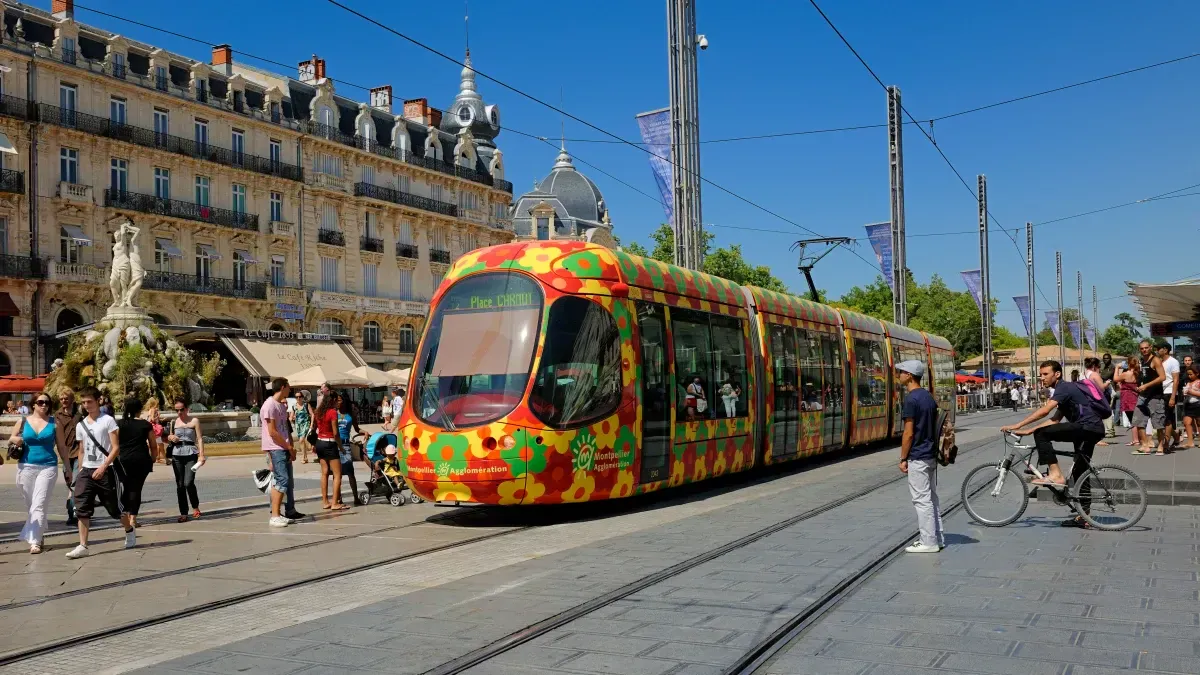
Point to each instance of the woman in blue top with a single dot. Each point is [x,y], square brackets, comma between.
[37,468]
[346,421]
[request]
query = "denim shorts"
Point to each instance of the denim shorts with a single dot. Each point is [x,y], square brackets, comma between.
[280,461]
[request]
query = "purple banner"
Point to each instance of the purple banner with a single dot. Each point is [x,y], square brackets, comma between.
[1023,305]
[1073,326]
[656,134]
[1090,334]
[880,235]
[974,281]
[1052,319]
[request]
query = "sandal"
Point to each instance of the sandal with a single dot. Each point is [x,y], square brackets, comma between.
[35,549]
[1142,451]
[339,507]
[182,519]
[325,507]
[196,514]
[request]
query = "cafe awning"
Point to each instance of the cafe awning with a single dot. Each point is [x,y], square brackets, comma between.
[245,256]
[22,384]
[264,357]
[209,251]
[75,234]
[7,306]
[169,247]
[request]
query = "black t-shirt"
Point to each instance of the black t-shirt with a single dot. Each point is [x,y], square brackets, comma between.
[132,434]
[920,407]
[1073,402]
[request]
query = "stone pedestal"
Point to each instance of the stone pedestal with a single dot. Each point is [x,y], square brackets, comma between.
[124,317]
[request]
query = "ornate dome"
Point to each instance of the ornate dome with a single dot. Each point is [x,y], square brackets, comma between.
[575,191]
[470,112]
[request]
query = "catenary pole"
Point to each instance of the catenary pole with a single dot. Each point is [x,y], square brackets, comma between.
[1062,344]
[896,188]
[1033,340]
[1079,308]
[986,290]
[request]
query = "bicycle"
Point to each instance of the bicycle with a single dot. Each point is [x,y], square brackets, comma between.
[1107,496]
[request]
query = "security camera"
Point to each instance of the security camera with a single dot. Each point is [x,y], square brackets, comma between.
[702,41]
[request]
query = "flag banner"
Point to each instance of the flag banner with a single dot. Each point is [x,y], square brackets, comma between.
[974,281]
[1090,334]
[1073,326]
[656,134]
[1052,319]
[1023,305]
[880,235]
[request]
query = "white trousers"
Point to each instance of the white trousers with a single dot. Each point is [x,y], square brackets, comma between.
[730,405]
[922,484]
[37,482]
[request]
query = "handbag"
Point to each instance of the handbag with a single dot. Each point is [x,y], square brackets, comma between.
[17,452]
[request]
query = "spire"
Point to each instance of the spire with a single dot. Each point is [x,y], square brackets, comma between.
[564,160]
[467,87]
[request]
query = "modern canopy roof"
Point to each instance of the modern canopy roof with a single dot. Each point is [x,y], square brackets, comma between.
[1177,301]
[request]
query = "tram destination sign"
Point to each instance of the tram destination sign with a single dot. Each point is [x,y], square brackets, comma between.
[492,301]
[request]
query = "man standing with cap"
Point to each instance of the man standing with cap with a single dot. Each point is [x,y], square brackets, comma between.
[917,455]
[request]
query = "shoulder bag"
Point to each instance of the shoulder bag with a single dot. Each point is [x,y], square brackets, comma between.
[17,452]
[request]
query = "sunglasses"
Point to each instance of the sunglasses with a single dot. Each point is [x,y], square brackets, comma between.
[42,402]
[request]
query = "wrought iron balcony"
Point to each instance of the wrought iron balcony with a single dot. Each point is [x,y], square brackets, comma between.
[439,256]
[407,251]
[372,244]
[12,181]
[331,237]
[204,285]
[11,106]
[404,199]
[68,56]
[21,267]
[118,71]
[329,132]
[148,138]
[501,184]
[380,149]
[133,201]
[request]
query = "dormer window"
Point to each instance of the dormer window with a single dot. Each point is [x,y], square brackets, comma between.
[464,114]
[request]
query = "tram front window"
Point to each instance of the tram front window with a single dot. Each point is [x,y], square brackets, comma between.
[478,351]
[579,377]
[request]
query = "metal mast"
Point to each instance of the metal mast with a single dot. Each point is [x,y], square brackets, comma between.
[685,131]
[1062,344]
[896,184]
[1079,308]
[986,290]
[1095,316]
[1033,331]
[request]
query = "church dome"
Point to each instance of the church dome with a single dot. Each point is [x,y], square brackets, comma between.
[575,191]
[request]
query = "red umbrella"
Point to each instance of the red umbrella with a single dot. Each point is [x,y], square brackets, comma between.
[22,384]
[960,378]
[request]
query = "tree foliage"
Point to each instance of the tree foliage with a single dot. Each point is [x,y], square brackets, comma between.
[726,262]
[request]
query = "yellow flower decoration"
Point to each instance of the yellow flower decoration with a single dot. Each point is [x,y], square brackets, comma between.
[628,363]
[623,486]
[451,492]
[522,489]
[463,263]
[677,470]
[581,488]
[738,460]
[719,464]
[560,441]
[539,259]
[700,471]
[689,431]
[594,287]
[606,432]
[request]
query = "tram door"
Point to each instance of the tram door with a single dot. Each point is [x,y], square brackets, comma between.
[833,421]
[785,432]
[656,404]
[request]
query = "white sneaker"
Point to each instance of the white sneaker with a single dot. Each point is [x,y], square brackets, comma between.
[918,547]
[79,551]
[130,539]
[279,521]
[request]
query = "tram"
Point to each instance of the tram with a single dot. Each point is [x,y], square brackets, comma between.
[554,372]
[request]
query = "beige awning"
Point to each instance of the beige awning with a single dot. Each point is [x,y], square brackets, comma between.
[401,375]
[316,376]
[377,377]
[280,358]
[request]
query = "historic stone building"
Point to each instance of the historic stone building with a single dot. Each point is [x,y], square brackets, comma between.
[564,205]
[265,202]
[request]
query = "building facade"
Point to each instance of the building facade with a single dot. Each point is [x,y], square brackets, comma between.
[264,201]
[564,205]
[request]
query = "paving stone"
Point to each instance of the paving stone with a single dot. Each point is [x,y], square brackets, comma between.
[1169,662]
[879,653]
[588,624]
[682,633]
[534,656]
[693,653]
[240,663]
[334,654]
[809,665]
[591,642]
[666,617]
[616,663]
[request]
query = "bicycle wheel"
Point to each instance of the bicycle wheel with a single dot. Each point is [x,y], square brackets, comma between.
[994,496]
[1111,499]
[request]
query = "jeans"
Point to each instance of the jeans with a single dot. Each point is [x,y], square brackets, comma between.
[185,482]
[281,466]
[37,482]
[922,484]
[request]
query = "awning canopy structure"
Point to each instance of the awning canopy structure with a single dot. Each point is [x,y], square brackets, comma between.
[316,376]
[209,251]
[22,384]
[377,377]
[401,375]
[75,234]
[168,247]
[1171,309]
[7,306]
[245,256]
[281,358]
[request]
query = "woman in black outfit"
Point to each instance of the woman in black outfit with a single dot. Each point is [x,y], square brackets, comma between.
[135,455]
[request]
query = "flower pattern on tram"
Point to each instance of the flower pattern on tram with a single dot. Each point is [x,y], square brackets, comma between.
[623,487]
[448,491]
[559,441]
[539,259]
[581,488]
[606,432]
[521,490]
[678,471]
[719,464]
[700,470]
[626,447]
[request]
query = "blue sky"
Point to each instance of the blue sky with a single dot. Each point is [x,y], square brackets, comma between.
[776,66]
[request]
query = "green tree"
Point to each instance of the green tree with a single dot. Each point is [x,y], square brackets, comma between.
[1046,336]
[726,262]
[1130,323]
[1119,340]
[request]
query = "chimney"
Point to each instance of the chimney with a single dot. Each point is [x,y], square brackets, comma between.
[320,68]
[222,58]
[418,110]
[381,98]
[63,9]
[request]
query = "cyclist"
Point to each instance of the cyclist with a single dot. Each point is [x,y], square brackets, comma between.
[1083,426]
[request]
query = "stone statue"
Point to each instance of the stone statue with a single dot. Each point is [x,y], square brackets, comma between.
[136,271]
[125,280]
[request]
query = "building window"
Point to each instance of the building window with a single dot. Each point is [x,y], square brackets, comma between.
[239,198]
[468,199]
[241,269]
[408,340]
[276,207]
[369,225]
[5,364]
[275,116]
[119,65]
[68,165]
[437,237]
[470,241]
[406,285]
[160,78]
[435,191]
[437,278]
[202,90]
[162,126]
[116,110]
[370,279]
[464,115]
[278,276]
[162,258]
[329,218]
[372,337]
[202,191]
[118,175]
[276,152]
[406,233]
[201,127]
[329,275]
[330,327]
[69,246]
[68,96]
[543,228]
[368,174]
[404,183]
[3,236]
[581,339]
[238,146]
[204,263]
[327,163]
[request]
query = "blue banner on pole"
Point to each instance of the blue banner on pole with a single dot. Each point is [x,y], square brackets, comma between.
[1090,334]
[1052,319]
[880,235]
[974,281]
[1023,306]
[656,134]
[1073,326]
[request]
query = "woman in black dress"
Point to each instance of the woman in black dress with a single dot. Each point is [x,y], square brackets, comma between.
[135,456]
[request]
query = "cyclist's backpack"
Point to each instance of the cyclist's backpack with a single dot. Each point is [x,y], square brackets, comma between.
[1096,401]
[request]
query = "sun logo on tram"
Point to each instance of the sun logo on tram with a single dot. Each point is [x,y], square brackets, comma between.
[584,449]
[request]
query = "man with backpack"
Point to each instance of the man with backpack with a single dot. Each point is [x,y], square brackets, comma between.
[1083,407]
[919,455]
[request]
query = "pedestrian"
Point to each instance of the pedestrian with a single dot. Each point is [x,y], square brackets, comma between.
[23,409]
[302,418]
[1191,407]
[279,448]
[1151,408]
[322,393]
[385,408]
[1170,392]
[917,456]
[397,404]
[1108,376]
[187,456]
[135,456]
[328,451]
[66,420]
[36,451]
[1127,382]
[10,407]
[151,414]
[106,407]
[347,420]
[98,435]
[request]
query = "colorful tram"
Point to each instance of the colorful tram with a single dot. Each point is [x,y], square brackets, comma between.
[555,372]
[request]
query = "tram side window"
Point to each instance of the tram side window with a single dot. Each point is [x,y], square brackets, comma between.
[579,376]
[810,371]
[870,373]
[943,380]
[729,366]
[692,368]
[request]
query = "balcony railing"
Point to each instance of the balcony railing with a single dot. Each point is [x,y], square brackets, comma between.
[68,56]
[439,256]
[325,180]
[11,106]
[281,228]
[190,283]
[501,184]
[288,295]
[329,132]
[74,192]
[372,244]
[407,251]
[118,71]
[133,201]
[332,300]
[21,267]
[12,181]
[331,237]
[78,272]
[403,198]
[148,138]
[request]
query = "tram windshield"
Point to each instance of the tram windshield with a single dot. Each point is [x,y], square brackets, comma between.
[478,350]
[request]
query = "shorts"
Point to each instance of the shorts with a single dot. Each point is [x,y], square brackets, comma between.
[280,460]
[88,490]
[1154,410]
[1191,410]
[1168,415]
[327,450]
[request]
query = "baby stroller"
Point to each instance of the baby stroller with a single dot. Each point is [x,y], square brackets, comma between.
[386,481]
